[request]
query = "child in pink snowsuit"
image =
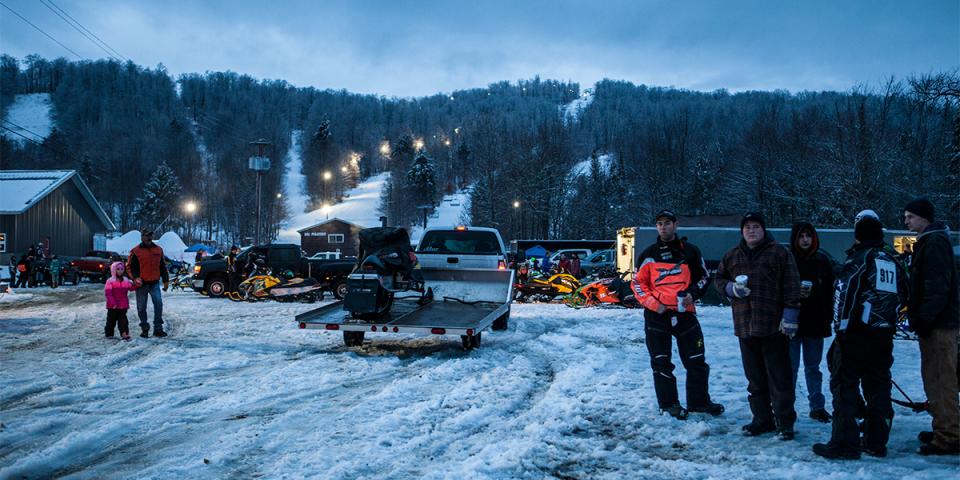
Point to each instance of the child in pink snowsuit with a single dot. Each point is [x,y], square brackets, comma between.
[116,291]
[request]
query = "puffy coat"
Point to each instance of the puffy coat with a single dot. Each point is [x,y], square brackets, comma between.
[870,289]
[146,263]
[773,281]
[116,290]
[934,293]
[666,269]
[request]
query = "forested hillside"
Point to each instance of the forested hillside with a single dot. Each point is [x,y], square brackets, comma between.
[820,156]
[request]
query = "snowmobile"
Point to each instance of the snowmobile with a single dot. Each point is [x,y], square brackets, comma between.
[386,266]
[256,286]
[296,289]
[545,289]
[612,291]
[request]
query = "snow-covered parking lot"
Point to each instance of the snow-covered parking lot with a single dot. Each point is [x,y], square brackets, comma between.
[237,391]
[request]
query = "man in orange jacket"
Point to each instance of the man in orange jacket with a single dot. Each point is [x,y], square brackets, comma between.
[671,277]
[146,266]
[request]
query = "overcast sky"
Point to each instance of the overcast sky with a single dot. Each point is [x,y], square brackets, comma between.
[407,48]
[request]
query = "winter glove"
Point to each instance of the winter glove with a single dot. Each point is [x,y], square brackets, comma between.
[734,290]
[790,324]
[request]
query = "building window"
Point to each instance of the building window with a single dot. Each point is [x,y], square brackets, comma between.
[335,238]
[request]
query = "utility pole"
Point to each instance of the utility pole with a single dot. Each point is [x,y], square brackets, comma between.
[260,164]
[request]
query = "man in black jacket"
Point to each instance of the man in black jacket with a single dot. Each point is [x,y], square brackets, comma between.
[816,312]
[870,289]
[933,312]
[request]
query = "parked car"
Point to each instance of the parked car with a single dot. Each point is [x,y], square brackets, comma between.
[95,265]
[597,260]
[581,253]
[210,276]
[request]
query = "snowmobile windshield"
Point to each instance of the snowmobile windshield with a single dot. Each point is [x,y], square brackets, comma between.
[460,242]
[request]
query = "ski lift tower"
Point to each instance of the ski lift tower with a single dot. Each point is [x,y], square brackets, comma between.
[259,164]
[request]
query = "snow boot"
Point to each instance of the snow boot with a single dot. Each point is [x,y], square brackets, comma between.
[159,333]
[144,333]
[712,408]
[755,428]
[786,434]
[834,452]
[125,336]
[821,415]
[676,411]
[934,449]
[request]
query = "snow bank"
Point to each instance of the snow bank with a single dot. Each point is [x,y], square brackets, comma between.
[360,206]
[173,246]
[11,296]
[30,112]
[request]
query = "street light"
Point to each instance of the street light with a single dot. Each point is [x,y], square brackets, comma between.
[516,204]
[385,149]
[279,195]
[418,144]
[190,207]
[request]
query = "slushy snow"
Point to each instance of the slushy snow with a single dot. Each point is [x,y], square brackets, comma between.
[238,391]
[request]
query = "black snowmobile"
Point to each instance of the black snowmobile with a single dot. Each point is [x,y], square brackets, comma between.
[386,266]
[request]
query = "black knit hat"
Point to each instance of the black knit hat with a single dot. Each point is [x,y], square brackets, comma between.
[753,217]
[920,207]
[664,213]
[868,228]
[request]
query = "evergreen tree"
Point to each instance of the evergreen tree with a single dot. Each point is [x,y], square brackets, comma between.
[422,180]
[159,197]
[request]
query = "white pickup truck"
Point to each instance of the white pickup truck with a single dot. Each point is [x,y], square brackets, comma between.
[465,267]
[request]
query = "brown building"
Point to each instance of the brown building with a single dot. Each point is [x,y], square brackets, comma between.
[49,207]
[332,235]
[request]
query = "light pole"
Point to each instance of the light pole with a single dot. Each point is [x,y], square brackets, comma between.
[276,223]
[260,164]
[191,209]
[517,212]
[326,179]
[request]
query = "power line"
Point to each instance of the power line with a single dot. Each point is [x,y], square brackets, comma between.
[41,31]
[78,30]
[21,135]
[101,43]
[24,129]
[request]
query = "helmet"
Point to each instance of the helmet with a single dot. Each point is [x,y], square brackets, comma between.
[287,274]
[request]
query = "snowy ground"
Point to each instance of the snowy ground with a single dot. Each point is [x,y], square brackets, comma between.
[237,391]
[29,115]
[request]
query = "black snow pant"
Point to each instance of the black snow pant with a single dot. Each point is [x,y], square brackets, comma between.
[117,317]
[660,330]
[766,364]
[855,359]
[22,280]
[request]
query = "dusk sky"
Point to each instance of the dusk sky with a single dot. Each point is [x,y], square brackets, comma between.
[406,48]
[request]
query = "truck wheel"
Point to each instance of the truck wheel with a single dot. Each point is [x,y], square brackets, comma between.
[470,342]
[216,287]
[340,289]
[353,339]
[503,322]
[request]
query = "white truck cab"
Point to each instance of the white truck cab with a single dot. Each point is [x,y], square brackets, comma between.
[461,246]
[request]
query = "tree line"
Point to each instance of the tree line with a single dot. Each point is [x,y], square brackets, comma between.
[820,156]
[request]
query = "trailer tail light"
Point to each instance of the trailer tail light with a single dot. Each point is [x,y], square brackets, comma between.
[438,331]
[73,263]
[196,269]
[373,328]
[333,326]
[101,265]
[502,264]
[384,328]
[303,325]
[396,329]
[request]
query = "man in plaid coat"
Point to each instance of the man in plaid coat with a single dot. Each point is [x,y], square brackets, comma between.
[766,309]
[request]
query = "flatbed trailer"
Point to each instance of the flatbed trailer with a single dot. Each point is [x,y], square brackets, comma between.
[465,302]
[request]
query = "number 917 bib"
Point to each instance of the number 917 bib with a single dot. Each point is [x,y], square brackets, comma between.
[886,276]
